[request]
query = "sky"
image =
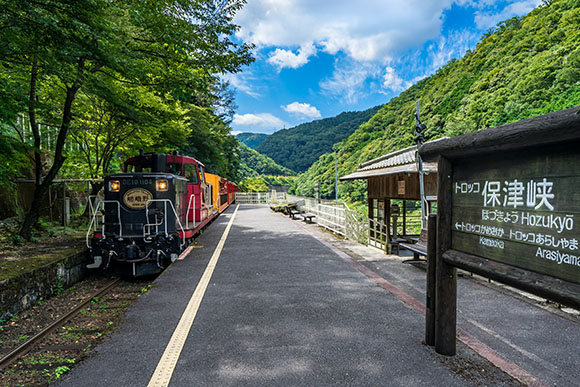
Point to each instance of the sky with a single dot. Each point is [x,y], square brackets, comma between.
[318,58]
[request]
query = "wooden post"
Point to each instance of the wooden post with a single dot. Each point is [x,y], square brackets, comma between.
[371,226]
[446,275]
[388,225]
[430,288]
[404,217]
[50,203]
[64,208]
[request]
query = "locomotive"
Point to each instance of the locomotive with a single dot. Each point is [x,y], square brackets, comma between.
[151,212]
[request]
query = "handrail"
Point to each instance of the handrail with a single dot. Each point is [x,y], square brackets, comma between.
[189,206]
[95,221]
[164,201]
[91,208]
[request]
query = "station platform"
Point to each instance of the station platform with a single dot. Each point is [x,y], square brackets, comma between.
[288,304]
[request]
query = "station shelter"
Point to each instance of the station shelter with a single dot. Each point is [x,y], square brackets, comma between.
[394,195]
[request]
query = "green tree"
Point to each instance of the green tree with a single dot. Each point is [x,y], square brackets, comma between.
[102,129]
[50,50]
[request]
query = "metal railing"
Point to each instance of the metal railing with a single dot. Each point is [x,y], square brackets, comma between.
[333,215]
[161,222]
[260,197]
[96,213]
[190,207]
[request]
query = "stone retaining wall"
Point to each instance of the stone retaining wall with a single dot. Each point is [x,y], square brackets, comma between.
[20,293]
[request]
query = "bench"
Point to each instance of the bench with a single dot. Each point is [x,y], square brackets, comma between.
[277,207]
[307,217]
[293,213]
[418,248]
[293,206]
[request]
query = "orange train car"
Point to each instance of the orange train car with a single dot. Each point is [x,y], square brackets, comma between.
[223,192]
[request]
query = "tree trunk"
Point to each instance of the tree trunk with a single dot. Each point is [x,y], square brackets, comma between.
[41,190]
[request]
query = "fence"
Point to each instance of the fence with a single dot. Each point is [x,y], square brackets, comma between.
[260,197]
[333,215]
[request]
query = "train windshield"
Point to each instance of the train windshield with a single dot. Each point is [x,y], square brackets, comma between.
[130,168]
[174,168]
[191,173]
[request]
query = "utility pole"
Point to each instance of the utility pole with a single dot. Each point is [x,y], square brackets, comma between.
[419,128]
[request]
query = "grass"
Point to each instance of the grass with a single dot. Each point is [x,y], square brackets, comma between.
[10,269]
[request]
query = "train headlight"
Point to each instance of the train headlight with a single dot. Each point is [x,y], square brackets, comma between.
[114,186]
[161,185]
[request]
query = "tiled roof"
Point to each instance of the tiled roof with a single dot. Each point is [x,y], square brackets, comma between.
[400,157]
[401,161]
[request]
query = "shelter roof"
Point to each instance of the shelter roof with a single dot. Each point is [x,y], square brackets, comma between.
[401,161]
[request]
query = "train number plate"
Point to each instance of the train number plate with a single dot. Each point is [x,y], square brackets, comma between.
[137,198]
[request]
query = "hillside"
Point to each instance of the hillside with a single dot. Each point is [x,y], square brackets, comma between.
[253,164]
[251,139]
[527,67]
[298,147]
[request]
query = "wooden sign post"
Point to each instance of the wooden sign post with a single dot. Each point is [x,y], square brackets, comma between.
[508,209]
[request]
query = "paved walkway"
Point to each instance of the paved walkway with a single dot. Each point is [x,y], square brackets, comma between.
[283,308]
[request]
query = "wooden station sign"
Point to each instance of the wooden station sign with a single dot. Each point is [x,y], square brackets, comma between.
[508,209]
[521,209]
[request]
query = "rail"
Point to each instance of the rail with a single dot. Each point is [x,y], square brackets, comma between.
[27,345]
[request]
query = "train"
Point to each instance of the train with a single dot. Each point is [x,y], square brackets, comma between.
[151,212]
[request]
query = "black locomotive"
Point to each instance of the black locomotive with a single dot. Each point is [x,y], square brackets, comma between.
[151,212]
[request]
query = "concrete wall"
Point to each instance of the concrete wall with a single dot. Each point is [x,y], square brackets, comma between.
[20,293]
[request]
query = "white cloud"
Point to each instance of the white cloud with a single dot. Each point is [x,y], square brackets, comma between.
[370,30]
[261,120]
[394,82]
[453,46]
[241,82]
[485,20]
[348,81]
[303,110]
[287,59]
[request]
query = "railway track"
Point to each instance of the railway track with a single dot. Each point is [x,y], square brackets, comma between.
[24,348]
[41,344]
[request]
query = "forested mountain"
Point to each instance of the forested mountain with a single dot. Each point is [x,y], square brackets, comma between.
[527,67]
[251,139]
[253,164]
[298,147]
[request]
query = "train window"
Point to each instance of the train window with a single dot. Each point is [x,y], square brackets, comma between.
[174,168]
[137,168]
[202,174]
[191,173]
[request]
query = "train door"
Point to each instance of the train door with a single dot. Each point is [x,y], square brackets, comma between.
[205,197]
[193,195]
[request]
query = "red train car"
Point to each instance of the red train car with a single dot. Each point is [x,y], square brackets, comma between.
[151,212]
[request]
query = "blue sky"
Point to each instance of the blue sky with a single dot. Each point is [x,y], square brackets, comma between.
[316,59]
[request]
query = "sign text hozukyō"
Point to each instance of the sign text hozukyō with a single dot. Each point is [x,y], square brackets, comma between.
[520,209]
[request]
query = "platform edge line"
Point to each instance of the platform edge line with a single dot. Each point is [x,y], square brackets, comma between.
[164,370]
